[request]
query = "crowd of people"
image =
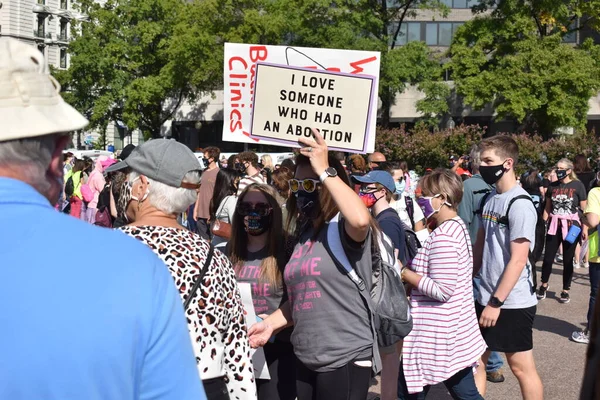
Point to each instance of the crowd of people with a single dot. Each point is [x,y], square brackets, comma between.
[163,317]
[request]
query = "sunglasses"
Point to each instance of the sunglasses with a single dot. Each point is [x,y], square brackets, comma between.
[262,209]
[365,190]
[308,185]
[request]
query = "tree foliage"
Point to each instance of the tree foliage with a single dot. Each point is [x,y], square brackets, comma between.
[137,60]
[513,56]
[127,64]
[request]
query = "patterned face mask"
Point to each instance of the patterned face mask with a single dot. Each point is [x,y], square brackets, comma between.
[126,197]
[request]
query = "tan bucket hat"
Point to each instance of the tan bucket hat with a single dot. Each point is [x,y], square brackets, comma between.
[30,103]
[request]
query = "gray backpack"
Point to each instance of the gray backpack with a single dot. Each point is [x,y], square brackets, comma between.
[387,299]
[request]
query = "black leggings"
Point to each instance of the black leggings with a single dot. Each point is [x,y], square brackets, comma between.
[282,368]
[350,382]
[552,244]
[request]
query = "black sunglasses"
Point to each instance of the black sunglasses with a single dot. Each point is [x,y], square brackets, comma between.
[246,208]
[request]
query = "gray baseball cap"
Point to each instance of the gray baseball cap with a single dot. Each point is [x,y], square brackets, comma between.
[164,160]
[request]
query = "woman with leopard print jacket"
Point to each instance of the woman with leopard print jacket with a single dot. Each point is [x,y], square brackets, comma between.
[151,199]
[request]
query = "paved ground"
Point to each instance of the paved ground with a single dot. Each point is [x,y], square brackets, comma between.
[559,360]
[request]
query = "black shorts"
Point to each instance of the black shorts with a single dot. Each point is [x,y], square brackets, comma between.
[513,332]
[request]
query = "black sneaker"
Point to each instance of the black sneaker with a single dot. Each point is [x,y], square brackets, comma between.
[541,293]
[564,297]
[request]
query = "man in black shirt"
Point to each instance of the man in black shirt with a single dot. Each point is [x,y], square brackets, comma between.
[376,191]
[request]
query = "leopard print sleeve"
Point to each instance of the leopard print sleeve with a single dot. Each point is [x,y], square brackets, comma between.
[237,357]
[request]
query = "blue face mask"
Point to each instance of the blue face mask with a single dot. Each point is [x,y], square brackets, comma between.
[400,186]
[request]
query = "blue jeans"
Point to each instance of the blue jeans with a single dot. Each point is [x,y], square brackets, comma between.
[495,361]
[594,273]
[460,385]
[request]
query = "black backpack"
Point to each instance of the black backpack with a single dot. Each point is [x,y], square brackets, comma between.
[413,244]
[69,187]
[387,299]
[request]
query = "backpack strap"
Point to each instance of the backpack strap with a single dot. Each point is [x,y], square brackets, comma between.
[410,209]
[487,192]
[504,219]
[203,272]
[336,251]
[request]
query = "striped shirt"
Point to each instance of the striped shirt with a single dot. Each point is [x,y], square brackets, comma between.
[445,338]
[249,180]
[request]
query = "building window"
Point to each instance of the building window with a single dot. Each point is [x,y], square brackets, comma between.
[445,34]
[431,34]
[41,48]
[43,2]
[460,3]
[64,30]
[41,26]
[64,4]
[63,58]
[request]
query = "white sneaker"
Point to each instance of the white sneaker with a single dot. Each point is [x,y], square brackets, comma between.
[585,264]
[581,337]
[576,265]
[559,258]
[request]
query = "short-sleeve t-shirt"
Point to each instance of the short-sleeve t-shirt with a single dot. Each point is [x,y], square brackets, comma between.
[391,225]
[205,193]
[266,297]
[593,206]
[522,220]
[565,197]
[331,322]
[400,207]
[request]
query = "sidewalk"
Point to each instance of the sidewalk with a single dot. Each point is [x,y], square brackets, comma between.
[559,360]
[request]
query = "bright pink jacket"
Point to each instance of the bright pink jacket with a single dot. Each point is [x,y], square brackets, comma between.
[96,181]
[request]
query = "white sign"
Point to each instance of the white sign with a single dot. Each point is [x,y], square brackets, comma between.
[289,101]
[259,362]
[240,70]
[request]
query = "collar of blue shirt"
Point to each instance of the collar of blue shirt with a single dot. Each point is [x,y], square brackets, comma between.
[13,191]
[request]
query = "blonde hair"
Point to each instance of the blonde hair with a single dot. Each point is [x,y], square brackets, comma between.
[445,182]
[569,164]
[267,162]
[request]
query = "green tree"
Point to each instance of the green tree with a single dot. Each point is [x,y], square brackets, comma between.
[342,24]
[514,57]
[126,64]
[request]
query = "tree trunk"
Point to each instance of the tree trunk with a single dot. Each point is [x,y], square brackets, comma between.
[386,105]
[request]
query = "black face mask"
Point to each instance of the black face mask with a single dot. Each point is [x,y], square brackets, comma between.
[256,225]
[308,203]
[205,161]
[561,174]
[242,168]
[491,173]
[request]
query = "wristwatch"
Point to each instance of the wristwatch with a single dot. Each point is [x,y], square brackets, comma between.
[495,302]
[329,172]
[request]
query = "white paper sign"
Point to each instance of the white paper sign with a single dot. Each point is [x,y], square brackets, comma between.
[240,70]
[261,369]
[289,101]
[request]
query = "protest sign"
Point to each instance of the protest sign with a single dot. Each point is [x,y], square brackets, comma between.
[289,101]
[259,362]
[240,70]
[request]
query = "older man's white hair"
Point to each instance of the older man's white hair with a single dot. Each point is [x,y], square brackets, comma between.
[30,158]
[169,199]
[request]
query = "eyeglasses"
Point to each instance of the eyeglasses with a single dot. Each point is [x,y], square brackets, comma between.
[364,189]
[246,208]
[308,185]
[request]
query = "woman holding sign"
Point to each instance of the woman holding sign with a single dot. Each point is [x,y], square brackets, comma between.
[257,253]
[333,334]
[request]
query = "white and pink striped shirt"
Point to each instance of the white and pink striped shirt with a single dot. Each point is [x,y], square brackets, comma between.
[445,338]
